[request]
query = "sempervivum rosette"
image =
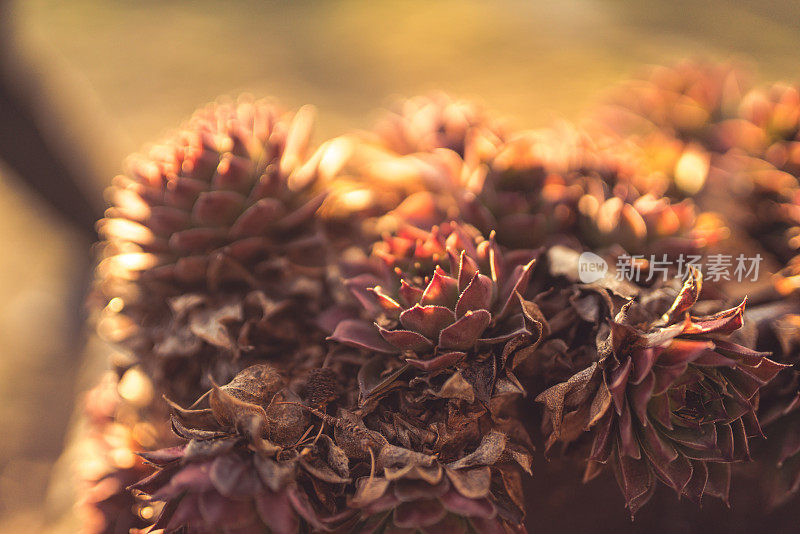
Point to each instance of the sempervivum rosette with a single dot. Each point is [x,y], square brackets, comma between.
[670,399]
[543,187]
[771,119]
[687,100]
[212,246]
[427,123]
[566,187]
[387,168]
[249,464]
[435,317]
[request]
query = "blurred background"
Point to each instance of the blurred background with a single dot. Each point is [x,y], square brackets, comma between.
[85,82]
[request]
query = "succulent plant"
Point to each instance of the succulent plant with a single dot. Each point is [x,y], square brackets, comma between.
[669,399]
[436,318]
[248,464]
[427,123]
[687,100]
[212,245]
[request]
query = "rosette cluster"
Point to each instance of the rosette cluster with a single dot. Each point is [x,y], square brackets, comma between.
[385,309]
[672,399]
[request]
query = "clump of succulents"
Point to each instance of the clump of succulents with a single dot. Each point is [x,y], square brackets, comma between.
[354,337]
[669,398]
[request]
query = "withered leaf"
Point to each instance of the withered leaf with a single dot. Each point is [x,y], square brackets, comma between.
[371,377]
[211,325]
[256,384]
[369,490]
[231,412]
[456,387]
[488,452]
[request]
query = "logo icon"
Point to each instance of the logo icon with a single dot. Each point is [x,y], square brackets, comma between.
[591,267]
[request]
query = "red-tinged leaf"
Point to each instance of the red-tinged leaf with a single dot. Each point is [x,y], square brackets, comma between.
[741,445]
[682,352]
[659,410]
[409,295]
[666,376]
[197,240]
[276,512]
[711,358]
[185,513]
[694,439]
[193,477]
[724,322]
[642,364]
[442,361]
[427,320]
[464,507]
[628,445]
[151,484]
[687,297]
[234,174]
[441,291]
[390,307]
[166,220]
[765,371]
[217,208]
[182,192]
[362,335]
[419,514]
[406,340]
[363,287]
[476,296]
[217,510]
[719,480]
[697,484]
[640,395]
[409,490]
[451,524]
[329,319]
[516,285]
[487,526]
[464,333]
[225,473]
[257,219]
[618,384]
[636,481]
[732,350]
[302,214]
[725,442]
[304,509]
[371,489]
[659,450]
[467,269]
